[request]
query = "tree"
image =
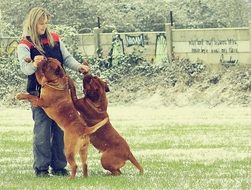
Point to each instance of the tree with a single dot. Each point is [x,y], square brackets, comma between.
[210,13]
[234,13]
[6,29]
[131,15]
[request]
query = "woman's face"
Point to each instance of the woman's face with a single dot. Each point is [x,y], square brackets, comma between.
[42,25]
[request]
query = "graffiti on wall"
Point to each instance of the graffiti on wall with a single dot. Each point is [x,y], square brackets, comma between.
[135,40]
[8,47]
[117,49]
[230,61]
[213,46]
[160,48]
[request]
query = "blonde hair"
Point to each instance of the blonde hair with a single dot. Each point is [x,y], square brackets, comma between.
[30,27]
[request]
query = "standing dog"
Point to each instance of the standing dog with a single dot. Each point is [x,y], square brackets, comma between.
[93,109]
[56,101]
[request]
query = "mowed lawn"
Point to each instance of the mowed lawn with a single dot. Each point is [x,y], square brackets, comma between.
[179,148]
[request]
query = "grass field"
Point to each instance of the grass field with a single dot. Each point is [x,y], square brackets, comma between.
[179,148]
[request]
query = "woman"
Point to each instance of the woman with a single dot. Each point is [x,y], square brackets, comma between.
[37,44]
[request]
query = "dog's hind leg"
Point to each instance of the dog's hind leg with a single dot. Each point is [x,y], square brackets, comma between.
[112,163]
[83,156]
[70,144]
[135,163]
[116,172]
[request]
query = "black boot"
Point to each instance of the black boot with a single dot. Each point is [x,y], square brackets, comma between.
[42,173]
[60,172]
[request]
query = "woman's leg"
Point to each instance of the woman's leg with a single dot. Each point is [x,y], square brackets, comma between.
[41,140]
[58,162]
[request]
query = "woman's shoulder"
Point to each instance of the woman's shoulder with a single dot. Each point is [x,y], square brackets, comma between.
[26,42]
[55,36]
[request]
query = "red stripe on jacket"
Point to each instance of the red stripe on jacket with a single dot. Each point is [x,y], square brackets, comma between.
[55,37]
[45,41]
[26,42]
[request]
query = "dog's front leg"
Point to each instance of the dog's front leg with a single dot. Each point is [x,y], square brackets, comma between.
[35,101]
[72,90]
[83,154]
[70,146]
[77,102]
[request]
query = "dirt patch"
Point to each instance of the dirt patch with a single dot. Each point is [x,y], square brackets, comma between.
[181,83]
[185,84]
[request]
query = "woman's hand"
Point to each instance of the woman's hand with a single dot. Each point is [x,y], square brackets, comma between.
[84,69]
[37,60]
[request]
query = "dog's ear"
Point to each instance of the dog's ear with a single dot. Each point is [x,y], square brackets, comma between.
[106,87]
[87,78]
[54,63]
[42,63]
[59,71]
[43,66]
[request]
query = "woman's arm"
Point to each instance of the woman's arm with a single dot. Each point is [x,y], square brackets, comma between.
[26,64]
[70,62]
[68,59]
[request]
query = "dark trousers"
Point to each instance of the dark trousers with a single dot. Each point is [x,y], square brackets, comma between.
[48,142]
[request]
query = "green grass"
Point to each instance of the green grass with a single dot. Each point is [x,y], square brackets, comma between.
[179,148]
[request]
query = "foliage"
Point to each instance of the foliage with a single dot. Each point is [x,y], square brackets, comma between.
[140,78]
[135,64]
[211,14]
[132,15]
[11,79]
[6,29]
[116,69]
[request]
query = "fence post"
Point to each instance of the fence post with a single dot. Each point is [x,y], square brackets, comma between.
[249,36]
[96,32]
[168,29]
[171,17]
[98,22]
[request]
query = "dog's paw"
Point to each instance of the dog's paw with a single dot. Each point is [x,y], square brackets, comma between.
[35,103]
[21,96]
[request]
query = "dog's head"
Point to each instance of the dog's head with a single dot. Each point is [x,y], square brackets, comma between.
[94,87]
[52,69]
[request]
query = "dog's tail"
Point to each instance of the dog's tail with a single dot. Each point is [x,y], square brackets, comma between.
[94,128]
[136,163]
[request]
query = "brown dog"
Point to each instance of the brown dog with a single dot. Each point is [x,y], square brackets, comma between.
[56,100]
[93,109]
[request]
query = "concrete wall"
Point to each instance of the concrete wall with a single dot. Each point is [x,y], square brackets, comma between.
[211,46]
[86,44]
[151,44]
